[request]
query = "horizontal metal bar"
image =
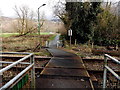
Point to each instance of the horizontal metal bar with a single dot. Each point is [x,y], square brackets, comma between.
[110,70]
[13,64]
[23,53]
[113,59]
[16,77]
[5,62]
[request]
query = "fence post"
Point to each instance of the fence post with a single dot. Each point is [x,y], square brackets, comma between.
[47,44]
[105,73]
[58,44]
[32,72]
[75,42]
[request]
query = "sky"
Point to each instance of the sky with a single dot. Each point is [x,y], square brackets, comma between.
[6,6]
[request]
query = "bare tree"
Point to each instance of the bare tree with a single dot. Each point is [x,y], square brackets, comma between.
[25,20]
[60,12]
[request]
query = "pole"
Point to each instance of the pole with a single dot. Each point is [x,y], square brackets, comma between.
[38,22]
[39,18]
[75,42]
[70,41]
[70,34]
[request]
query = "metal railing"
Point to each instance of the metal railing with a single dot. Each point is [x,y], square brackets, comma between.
[107,68]
[19,76]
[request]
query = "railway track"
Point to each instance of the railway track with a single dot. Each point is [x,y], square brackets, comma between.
[95,69]
[8,59]
[97,65]
[93,66]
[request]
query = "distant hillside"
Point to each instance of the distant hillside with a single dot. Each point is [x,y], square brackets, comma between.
[5,18]
[56,20]
[7,25]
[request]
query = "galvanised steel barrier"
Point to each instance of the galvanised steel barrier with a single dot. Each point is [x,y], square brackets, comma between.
[107,68]
[22,77]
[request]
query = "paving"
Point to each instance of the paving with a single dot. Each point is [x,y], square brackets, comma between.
[54,42]
[64,70]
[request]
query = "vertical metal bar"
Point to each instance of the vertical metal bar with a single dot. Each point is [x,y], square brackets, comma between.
[32,73]
[105,73]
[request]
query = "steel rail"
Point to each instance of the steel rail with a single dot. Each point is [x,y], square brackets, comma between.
[16,77]
[24,53]
[5,62]
[13,64]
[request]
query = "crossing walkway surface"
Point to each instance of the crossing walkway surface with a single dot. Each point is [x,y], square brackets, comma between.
[64,70]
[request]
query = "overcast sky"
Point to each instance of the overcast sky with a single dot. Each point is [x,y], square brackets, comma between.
[6,6]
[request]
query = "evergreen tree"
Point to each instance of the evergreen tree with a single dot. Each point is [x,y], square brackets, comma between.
[83,17]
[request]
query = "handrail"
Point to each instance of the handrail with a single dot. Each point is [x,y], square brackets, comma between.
[29,67]
[13,64]
[107,68]
[16,77]
[113,59]
[115,74]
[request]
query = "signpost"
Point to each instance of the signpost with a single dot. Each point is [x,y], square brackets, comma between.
[70,34]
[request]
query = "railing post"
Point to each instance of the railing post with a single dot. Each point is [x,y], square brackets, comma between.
[32,72]
[105,73]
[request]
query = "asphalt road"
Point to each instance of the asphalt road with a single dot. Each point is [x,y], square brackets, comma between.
[53,43]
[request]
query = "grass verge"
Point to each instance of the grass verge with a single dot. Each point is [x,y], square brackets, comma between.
[52,37]
[11,34]
[7,34]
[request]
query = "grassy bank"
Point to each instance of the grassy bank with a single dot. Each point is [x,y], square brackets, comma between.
[11,34]
[52,37]
[25,43]
[8,34]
